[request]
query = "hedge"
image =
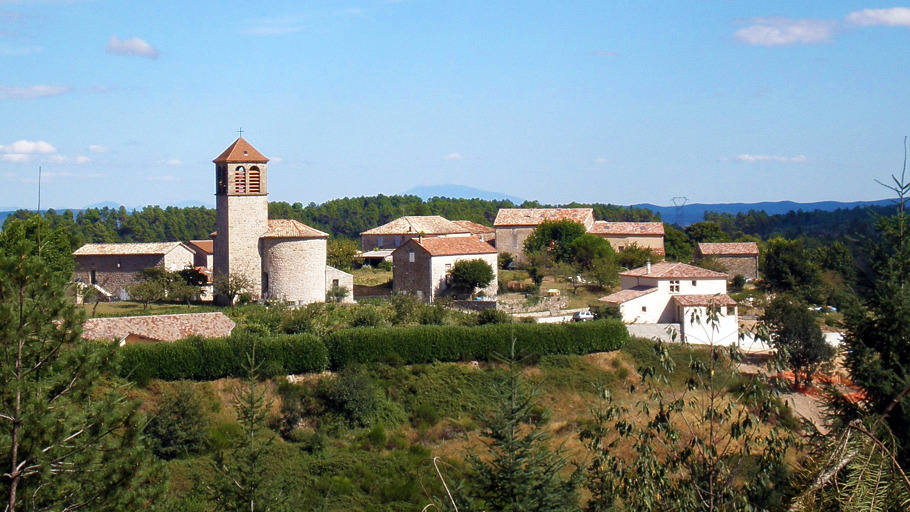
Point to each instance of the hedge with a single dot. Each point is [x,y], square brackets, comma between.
[197,358]
[428,343]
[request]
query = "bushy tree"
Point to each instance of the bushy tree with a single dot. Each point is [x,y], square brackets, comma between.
[786,266]
[555,237]
[471,274]
[229,287]
[69,440]
[634,256]
[587,249]
[793,332]
[180,426]
[677,246]
[341,252]
[707,232]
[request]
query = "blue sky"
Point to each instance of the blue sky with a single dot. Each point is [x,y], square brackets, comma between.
[601,101]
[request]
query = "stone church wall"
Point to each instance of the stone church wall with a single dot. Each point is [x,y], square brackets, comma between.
[237,247]
[296,269]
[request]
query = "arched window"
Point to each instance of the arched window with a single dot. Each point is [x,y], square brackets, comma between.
[254,181]
[240,180]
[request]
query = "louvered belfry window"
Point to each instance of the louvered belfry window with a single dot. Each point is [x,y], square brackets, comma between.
[255,185]
[240,180]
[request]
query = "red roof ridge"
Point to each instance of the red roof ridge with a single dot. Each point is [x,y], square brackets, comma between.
[241,151]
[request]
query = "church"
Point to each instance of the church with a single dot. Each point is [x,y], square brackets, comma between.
[283,259]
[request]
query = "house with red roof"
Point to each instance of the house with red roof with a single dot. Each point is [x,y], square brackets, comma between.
[739,258]
[647,235]
[422,266]
[514,225]
[676,293]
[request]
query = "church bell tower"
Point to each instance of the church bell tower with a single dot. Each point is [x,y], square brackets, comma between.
[241,198]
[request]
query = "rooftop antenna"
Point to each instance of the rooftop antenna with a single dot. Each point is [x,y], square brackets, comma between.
[679,202]
[39,190]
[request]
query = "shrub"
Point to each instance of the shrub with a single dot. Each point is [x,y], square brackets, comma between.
[428,343]
[197,358]
[492,316]
[181,423]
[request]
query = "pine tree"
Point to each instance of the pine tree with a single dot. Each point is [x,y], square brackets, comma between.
[520,472]
[69,440]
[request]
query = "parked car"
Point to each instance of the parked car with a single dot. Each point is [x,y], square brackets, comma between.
[582,316]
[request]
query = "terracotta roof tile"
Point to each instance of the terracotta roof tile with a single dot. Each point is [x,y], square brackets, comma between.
[206,246]
[159,327]
[627,228]
[452,246]
[474,228]
[126,249]
[284,228]
[240,151]
[409,225]
[668,270]
[628,294]
[721,299]
[534,216]
[729,249]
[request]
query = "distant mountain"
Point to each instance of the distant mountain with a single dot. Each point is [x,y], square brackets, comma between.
[460,192]
[695,212]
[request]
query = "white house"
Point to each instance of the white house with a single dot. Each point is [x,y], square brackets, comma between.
[679,293]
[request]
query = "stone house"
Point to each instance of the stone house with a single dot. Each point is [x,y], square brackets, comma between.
[678,293]
[283,259]
[393,234]
[111,268]
[739,258]
[514,225]
[423,266]
[483,233]
[647,235]
[205,251]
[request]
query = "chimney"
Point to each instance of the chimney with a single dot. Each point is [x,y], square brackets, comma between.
[648,266]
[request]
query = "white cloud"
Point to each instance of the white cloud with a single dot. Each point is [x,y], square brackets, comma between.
[14,158]
[31,91]
[172,162]
[771,158]
[95,148]
[893,17]
[453,156]
[52,177]
[784,31]
[131,46]
[274,26]
[61,159]
[167,178]
[275,159]
[8,51]
[28,147]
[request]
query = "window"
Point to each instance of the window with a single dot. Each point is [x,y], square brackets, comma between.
[221,179]
[674,286]
[94,277]
[514,238]
[410,256]
[265,282]
[644,309]
[240,180]
[397,240]
[254,181]
[334,283]
[379,241]
[694,283]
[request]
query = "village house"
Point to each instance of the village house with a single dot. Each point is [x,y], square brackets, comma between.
[282,259]
[111,268]
[666,292]
[483,233]
[646,235]
[422,266]
[205,252]
[514,225]
[739,258]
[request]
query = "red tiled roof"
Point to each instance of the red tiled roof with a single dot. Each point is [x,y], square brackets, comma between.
[473,227]
[627,228]
[729,249]
[206,246]
[720,299]
[628,294]
[159,327]
[240,151]
[534,216]
[284,228]
[451,246]
[127,249]
[413,224]
[668,270]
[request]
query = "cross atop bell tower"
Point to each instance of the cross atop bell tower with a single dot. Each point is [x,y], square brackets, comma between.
[240,170]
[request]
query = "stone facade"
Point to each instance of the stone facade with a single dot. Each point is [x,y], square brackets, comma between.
[411,271]
[113,267]
[335,277]
[240,221]
[511,239]
[745,265]
[424,267]
[295,269]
